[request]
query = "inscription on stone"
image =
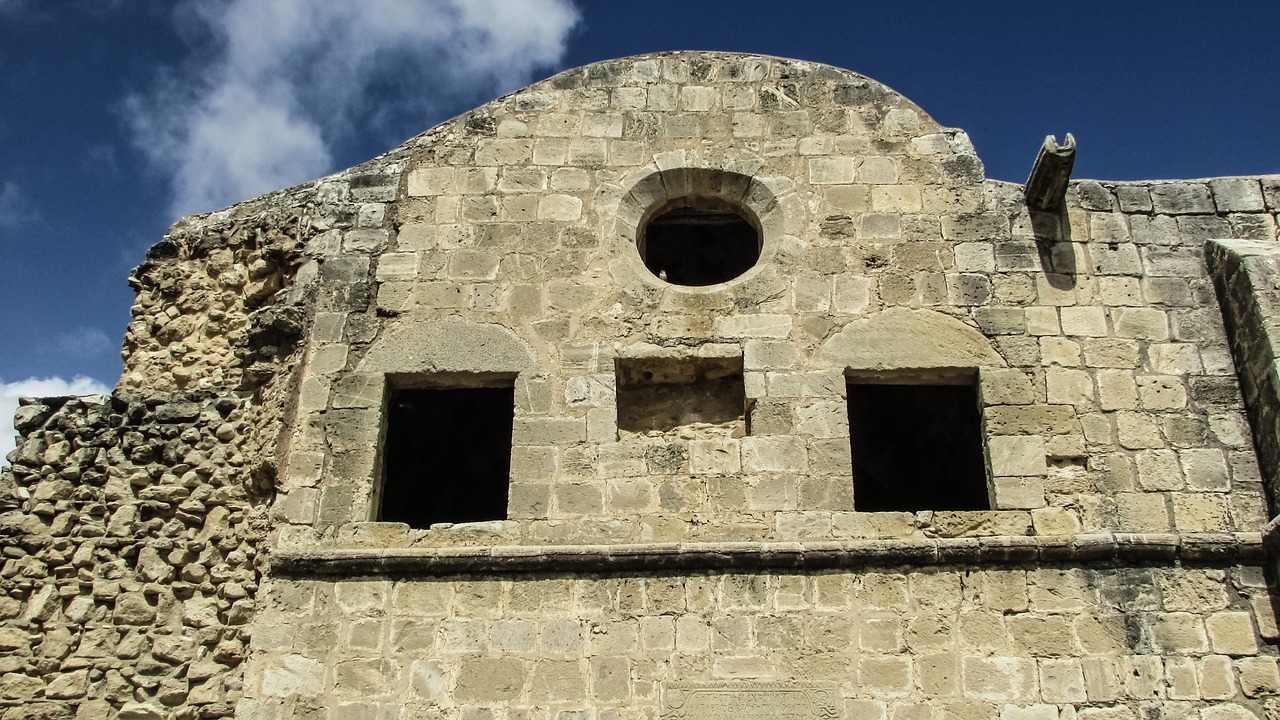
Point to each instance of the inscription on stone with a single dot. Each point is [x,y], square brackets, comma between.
[749,701]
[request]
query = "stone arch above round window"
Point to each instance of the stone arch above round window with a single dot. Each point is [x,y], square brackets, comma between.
[699,227]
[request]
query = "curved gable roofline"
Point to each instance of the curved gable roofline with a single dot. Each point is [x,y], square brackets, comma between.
[767,85]
[782,78]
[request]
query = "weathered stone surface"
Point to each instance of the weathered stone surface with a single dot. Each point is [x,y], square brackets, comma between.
[1116,574]
[902,339]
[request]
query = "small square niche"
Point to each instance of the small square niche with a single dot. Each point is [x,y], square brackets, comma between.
[686,397]
[916,445]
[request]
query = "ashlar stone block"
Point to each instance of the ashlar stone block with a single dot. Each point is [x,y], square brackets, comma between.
[823,420]
[999,679]
[1232,633]
[1206,469]
[1133,199]
[974,257]
[1043,321]
[1237,195]
[1159,470]
[1181,198]
[559,207]
[1006,386]
[490,680]
[769,355]
[896,198]
[1175,358]
[881,226]
[1119,291]
[548,431]
[1201,513]
[431,181]
[1084,321]
[392,266]
[1062,681]
[1069,387]
[1140,323]
[1259,676]
[748,326]
[1179,633]
[473,265]
[1217,678]
[1142,512]
[775,453]
[886,676]
[1110,353]
[1117,390]
[1018,493]
[1115,258]
[294,675]
[1102,678]
[1059,351]
[878,170]
[1162,392]
[831,170]
[696,98]
[1183,678]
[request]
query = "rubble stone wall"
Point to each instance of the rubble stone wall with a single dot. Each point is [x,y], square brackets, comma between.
[133,531]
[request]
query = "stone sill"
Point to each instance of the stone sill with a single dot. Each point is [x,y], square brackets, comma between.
[1119,548]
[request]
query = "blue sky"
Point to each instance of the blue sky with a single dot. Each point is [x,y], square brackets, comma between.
[119,115]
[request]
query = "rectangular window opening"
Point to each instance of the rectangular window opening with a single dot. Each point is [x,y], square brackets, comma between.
[916,444]
[447,454]
[687,397]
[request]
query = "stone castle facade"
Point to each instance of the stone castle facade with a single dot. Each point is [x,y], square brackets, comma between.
[690,384]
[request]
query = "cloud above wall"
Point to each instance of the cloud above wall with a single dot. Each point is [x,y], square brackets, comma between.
[37,387]
[275,88]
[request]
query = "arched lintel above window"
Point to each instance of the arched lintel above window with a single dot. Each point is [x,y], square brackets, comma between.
[449,345]
[735,219]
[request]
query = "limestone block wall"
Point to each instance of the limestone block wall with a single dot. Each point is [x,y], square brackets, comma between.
[1112,418]
[1108,391]
[206,541]
[937,643]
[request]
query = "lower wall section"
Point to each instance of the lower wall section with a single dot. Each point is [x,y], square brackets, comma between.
[937,643]
[130,529]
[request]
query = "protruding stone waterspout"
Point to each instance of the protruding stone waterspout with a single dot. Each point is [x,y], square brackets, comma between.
[1047,186]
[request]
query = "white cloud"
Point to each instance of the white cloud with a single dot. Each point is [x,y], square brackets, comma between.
[286,82]
[83,342]
[15,208]
[37,387]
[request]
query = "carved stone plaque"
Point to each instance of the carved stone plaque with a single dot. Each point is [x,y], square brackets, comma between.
[749,701]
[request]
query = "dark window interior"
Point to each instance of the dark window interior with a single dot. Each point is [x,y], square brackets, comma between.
[666,394]
[698,246]
[447,456]
[916,447]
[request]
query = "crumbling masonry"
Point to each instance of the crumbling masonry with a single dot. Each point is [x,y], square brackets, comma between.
[691,384]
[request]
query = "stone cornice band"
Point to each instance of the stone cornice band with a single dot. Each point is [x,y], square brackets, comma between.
[1104,548]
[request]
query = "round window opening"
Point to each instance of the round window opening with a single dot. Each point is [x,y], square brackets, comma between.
[699,241]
